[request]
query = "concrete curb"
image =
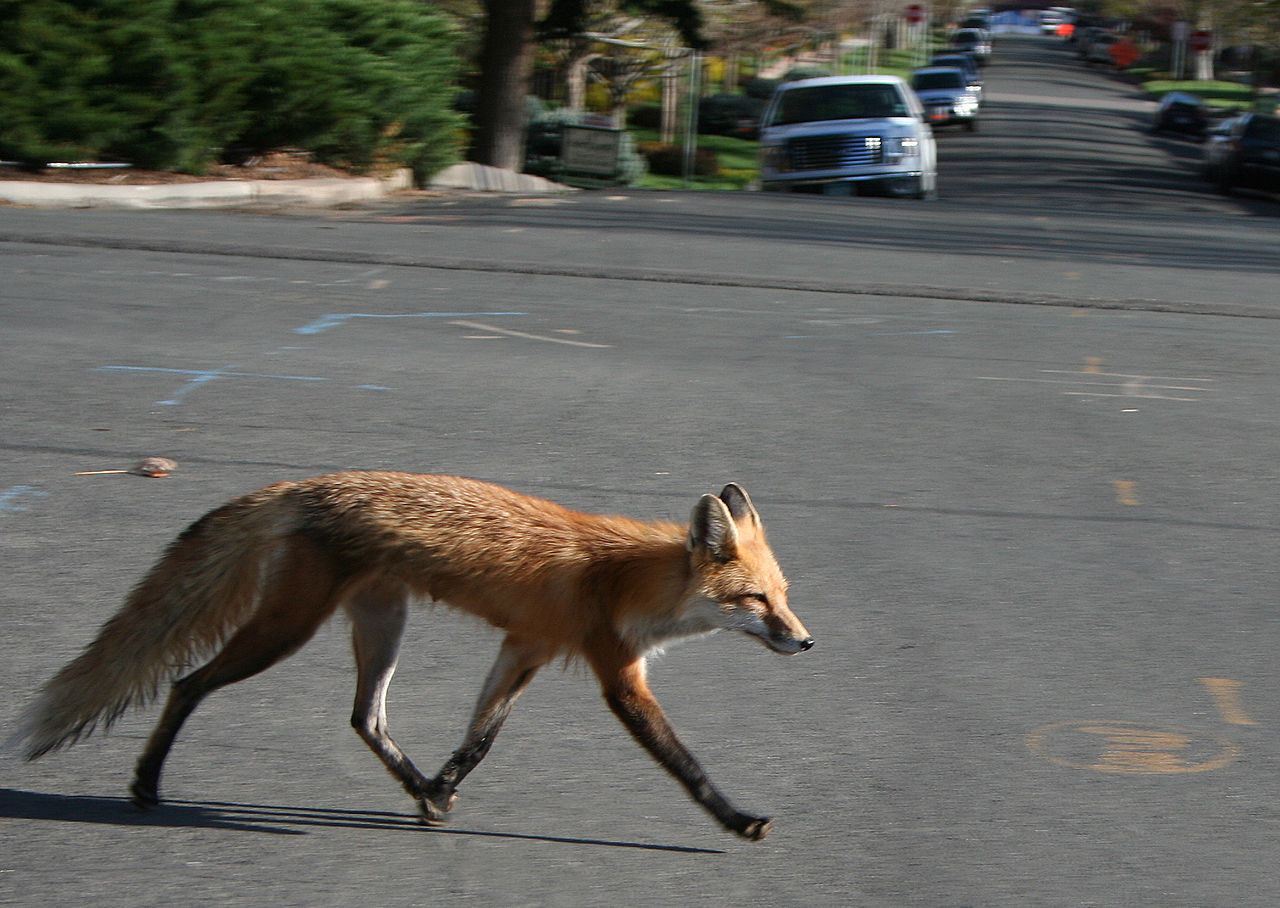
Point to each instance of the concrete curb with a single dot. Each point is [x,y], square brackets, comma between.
[214,194]
[248,193]
[480,178]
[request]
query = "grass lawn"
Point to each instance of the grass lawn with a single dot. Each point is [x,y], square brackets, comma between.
[1215,94]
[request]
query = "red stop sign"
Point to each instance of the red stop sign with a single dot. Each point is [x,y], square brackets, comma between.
[1200,41]
[914,12]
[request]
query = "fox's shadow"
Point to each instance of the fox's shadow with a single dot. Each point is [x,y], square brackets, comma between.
[271,819]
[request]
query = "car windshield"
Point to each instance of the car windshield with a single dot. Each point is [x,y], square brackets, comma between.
[933,81]
[838,102]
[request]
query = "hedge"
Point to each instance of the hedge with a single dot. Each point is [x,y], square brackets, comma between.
[182,84]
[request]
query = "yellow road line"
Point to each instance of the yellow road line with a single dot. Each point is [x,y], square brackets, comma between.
[1226,696]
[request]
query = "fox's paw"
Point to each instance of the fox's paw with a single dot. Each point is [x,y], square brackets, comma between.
[749,827]
[433,812]
[143,796]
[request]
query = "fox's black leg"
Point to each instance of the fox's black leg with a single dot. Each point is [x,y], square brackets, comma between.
[515,667]
[628,695]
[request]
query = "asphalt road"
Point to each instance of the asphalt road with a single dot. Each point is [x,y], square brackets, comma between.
[1015,449]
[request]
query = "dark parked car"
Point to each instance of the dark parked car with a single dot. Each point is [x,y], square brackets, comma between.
[966,63]
[972,41]
[1182,113]
[1244,152]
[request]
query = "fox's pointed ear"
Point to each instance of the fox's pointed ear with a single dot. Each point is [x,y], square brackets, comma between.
[739,503]
[711,529]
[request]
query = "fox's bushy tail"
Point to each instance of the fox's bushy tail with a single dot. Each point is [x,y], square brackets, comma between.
[201,590]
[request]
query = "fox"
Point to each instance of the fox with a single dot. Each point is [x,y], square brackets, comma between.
[249,583]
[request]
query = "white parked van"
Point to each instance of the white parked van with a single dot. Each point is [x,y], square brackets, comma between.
[841,134]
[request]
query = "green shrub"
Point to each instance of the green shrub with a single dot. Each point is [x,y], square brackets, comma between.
[185,83]
[668,160]
[726,114]
[84,80]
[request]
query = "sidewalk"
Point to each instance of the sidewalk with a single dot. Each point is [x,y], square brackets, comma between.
[319,193]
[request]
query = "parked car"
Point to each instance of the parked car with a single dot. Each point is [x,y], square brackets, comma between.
[1244,152]
[1181,113]
[1099,49]
[1084,37]
[841,134]
[967,64]
[1054,18]
[974,41]
[946,97]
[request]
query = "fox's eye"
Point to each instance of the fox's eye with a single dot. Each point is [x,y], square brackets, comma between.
[759,598]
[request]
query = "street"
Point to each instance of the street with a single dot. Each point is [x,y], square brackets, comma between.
[1015,450]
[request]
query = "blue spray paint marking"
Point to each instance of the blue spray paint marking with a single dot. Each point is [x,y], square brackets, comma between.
[325,322]
[202,377]
[8,496]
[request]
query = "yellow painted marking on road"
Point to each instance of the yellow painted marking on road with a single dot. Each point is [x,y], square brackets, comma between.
[1126,492]
[1126,748]
[1226,696]
[1092,365]
[1138,750]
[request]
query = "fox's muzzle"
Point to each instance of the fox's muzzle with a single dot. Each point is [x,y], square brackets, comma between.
[788,645]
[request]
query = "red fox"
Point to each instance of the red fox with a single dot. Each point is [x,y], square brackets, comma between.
[257,576]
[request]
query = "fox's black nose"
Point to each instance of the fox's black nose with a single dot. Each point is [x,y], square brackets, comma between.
[806,643]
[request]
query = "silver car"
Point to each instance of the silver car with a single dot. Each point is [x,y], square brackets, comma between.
[841,134]
[946,97]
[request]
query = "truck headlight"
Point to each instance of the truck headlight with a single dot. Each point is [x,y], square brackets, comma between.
[902,147]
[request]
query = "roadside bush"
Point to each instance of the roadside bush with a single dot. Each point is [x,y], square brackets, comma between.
[185,83]
[796,73]
[645,116]
[668,160]
[725,114]
[80,80]
[761,88]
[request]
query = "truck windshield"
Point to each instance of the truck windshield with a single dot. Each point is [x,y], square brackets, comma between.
[838,102]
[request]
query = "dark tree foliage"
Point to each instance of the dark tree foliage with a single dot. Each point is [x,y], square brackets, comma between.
[565,18]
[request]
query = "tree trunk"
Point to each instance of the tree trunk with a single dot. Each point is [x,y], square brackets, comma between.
[506,63]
